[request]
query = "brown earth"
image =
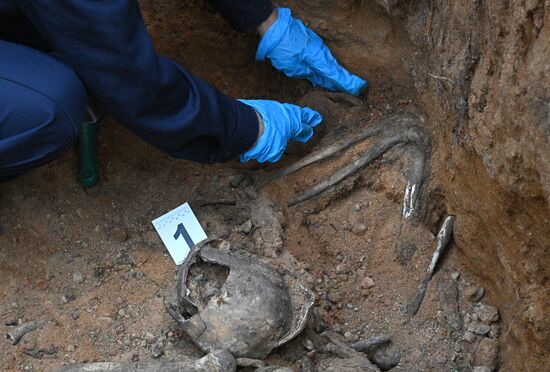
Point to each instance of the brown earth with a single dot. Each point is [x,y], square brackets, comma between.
[475,73]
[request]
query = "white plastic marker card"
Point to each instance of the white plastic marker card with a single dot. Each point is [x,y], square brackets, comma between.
[180,231]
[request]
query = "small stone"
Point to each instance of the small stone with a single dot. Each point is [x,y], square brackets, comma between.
[367,282]
[250,363]
[495,331]
[356,207]
[359,229]
[78,277]
[305,364]
[481,369]
[441,359]
[479,328]
[121,312]
[486,313]
[455,275]
[70,348]
[158,348]
[348,335]
[334,297]
[120,234]
[340,268]
[120,329]
[308,344]
[319,325]
[385,355]
[219,360]
[150,338]
[75,314]
[236,179]
[469,336]
[225,246]
[487,353]
[246,227]
[68,296]
[473,293]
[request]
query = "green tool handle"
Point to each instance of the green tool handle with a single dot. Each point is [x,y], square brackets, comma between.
[88,157]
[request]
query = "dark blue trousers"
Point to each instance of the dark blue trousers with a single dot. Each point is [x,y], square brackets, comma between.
[102,48]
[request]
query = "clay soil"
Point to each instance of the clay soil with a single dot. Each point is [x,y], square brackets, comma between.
[90,262]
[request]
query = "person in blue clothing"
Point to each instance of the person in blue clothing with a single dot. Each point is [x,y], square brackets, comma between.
[101,49]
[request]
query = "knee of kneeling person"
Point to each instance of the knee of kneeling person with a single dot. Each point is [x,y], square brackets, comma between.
[69,98]
[55,105]
[39,121]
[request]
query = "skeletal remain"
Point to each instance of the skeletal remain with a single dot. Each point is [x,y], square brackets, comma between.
[380,350]
[412,134]
[363,345]
[247,362]
[330,150]
[18,332]
[255,311]
[443,238]
[347,359]
[217,361]
[415,179]
[344,98]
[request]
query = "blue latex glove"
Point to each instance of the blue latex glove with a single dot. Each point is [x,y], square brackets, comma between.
[299,52]
[282,122]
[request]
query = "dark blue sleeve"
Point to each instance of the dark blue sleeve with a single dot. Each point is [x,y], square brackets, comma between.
[106,43]
[244,15]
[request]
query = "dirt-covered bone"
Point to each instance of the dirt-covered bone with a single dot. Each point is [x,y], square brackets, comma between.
[364,345]
[18,332]
[330,150]
[251,313]
[443,238]
[217,361]
[397,130]
[337,355]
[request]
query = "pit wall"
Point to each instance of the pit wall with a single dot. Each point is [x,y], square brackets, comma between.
[479,71]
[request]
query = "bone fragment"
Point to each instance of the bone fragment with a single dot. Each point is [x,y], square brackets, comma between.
[18,332]
[443,238]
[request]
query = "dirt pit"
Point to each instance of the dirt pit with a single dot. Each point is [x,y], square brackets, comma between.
[90,262]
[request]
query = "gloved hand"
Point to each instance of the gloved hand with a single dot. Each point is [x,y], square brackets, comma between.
[299,52]
[282,122]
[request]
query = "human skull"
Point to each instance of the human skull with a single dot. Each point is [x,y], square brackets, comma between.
[255,310]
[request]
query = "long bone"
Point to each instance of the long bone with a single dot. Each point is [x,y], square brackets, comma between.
[410,135]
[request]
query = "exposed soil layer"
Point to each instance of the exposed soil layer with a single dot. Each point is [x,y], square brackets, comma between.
[475,75]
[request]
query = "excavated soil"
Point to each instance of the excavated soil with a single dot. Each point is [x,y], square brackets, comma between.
[90,262]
